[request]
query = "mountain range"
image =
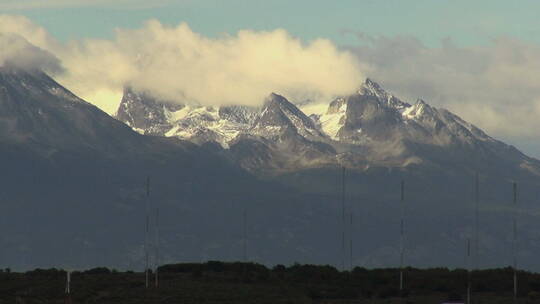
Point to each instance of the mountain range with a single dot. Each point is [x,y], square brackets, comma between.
[369,128]
[74,180]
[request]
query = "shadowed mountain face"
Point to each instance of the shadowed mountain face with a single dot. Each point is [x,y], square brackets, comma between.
[35,110]
[74,181]
[73,177]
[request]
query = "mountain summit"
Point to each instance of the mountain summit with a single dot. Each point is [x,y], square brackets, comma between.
[279,116]
[371,126]
[37,111]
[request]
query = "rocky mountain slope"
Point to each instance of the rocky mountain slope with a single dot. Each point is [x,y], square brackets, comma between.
[369,128]
[150,116]
[73,181]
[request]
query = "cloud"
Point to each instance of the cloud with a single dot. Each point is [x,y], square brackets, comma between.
[42,4]
[25,28]
[178,64]
[18,52]
[494,86]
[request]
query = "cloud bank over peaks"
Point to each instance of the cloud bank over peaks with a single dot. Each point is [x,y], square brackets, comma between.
[178,64]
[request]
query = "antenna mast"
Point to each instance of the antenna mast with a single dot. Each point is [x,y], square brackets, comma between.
[68,289]
[68,282]
[401,240]
[514,243]
[157,249]
[244,249]
[351,241]
[476,221]
[468,271]
[342,218]
[146,245]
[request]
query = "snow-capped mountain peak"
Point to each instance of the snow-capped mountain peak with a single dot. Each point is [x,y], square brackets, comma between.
[149,115]
[278,115]
[372,125]
[371,88]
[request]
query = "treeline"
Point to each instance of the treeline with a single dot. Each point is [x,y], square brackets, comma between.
[244,282]
[328,282]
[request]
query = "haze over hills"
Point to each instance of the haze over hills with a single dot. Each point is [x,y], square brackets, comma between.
[74,195]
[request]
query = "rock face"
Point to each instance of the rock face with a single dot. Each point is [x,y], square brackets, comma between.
[145,114]
[199,124]
[279,117]
[369,128]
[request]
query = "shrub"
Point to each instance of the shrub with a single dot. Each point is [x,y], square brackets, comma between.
[98,270]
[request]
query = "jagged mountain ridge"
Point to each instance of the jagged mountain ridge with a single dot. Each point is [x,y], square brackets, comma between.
[151,116]
[369,128]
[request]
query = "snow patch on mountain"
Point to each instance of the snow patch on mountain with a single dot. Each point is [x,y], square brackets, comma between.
[205,121]
[334,118]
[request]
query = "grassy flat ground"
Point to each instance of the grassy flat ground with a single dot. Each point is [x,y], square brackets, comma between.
[217,282]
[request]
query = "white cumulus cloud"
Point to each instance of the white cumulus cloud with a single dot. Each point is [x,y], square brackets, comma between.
[179,64]
[18,52]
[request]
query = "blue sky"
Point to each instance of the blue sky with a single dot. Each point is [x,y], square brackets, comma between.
[466,22]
